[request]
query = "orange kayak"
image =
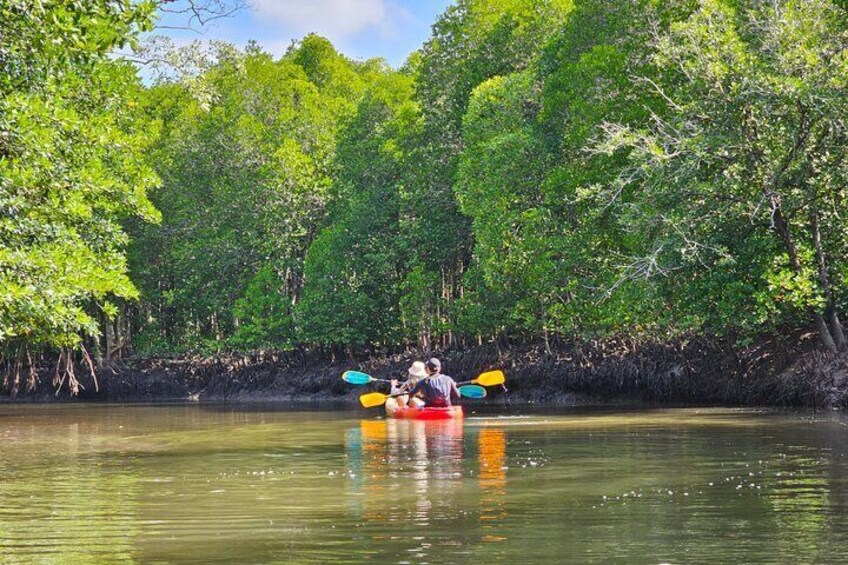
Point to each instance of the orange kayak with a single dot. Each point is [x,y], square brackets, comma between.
[425,413]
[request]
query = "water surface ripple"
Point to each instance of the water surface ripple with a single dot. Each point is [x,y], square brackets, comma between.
[92,484]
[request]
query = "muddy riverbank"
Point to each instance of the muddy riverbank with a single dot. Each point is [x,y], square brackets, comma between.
[774,372]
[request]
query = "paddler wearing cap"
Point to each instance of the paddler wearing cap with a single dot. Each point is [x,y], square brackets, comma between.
[436,389]
[415,373]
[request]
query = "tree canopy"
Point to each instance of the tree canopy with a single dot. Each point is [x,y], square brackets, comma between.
[538,168]
[73,166]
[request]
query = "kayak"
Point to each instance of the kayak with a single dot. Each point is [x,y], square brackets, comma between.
[393,410]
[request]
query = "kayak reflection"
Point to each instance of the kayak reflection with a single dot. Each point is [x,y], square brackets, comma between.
[424,474]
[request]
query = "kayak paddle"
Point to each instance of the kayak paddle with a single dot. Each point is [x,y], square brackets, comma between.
[378,398]
[357,378]
[472,391]
[489,378]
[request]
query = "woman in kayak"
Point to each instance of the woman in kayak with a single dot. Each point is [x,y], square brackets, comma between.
[437,389]
[415,373]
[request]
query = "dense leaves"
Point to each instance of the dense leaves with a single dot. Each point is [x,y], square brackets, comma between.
[246,157]
[537,169]
[740,171]
[72,167]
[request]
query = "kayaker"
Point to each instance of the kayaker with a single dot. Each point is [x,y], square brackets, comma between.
[414,374]
[437,389]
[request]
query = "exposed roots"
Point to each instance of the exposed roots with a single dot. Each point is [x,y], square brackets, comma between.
[783,370]
[65,373]
[21,369]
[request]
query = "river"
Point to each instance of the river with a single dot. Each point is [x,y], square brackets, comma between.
[107,484]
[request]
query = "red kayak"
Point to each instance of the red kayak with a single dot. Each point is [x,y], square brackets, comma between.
[425,413]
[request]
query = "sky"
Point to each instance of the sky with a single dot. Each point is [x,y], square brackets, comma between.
[361,29]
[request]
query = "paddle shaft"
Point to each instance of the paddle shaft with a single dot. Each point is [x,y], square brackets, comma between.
[459,384]
[373,399]
[503,386]
[405,393]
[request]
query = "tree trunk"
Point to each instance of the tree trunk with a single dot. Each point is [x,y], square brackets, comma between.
[424,341]
[121,329]
[98,347]
[782,228]
[110,340]
[835,325]
[824,333]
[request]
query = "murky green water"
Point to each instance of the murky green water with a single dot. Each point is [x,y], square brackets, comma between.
[195,484]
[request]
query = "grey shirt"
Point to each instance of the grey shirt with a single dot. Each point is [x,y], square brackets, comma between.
[438,390]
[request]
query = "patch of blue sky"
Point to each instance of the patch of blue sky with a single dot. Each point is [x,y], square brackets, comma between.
[361,29]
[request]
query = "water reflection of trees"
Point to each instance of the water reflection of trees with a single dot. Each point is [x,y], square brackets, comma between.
[68,497]
[808,497]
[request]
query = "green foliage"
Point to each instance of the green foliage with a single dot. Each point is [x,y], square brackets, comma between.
[499,182]
[420,303]
[246,158]
[43,41]
[735,170]
[537,168]
[543,243]
[472,42]
[72,166]
[344,177]
[264,315]
[353,267]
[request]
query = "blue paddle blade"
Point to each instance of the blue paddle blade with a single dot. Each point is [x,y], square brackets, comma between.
[356,378]
[472,391]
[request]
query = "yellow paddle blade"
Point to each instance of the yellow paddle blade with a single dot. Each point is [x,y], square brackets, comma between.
[490,378]
[373,399]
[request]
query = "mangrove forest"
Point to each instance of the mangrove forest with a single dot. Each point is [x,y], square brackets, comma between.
[537,172]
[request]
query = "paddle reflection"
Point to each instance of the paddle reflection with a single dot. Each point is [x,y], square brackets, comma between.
[491,448]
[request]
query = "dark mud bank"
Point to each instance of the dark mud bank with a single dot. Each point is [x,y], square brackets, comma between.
[775,372]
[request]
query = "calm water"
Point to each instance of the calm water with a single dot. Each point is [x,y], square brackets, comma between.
[200,484]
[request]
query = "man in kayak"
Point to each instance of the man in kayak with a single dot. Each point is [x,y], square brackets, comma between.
[415,373]
[437,389]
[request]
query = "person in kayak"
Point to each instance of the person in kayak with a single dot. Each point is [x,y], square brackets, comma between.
[414,374]
[437,389]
